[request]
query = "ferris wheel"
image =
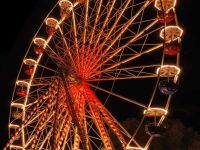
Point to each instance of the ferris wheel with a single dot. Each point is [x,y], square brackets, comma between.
[81,62]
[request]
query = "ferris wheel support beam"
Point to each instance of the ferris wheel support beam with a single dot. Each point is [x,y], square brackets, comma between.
[112,124]
[64,133]
[70,105]
[101,127]
[124,28]
[59,129]
[110,120]
[76,140]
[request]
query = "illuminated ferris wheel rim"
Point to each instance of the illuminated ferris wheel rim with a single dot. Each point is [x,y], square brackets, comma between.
[36,63]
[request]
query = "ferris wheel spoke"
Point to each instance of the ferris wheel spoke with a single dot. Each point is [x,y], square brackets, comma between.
[57,46]
[134,38]
[75,36]
[95,23]
[105,23]
[121,78]
[101,127]
[110,31]
[123,29]
[115,24]
[24,124]
[83,36]
[47,68]
[91,129]
[119,96]
[90,126]
[148,33]
[128,59]
[88,51]
[85,23]
[139,72]
[54,57]
[43,81]
[67,50]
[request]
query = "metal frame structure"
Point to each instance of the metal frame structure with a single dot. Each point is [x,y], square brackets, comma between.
[84,48]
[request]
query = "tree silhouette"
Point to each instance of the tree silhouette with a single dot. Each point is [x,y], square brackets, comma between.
[176,137]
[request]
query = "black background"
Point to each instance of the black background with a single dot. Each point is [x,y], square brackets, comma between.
[20,19]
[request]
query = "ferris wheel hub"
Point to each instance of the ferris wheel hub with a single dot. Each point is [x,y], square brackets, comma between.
[71,75]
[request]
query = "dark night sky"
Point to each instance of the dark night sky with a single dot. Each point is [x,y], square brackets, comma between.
[19,23]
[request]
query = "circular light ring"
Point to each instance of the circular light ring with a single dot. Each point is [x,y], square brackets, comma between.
[167,4]
[171,33]
[155,112]
[168,71]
